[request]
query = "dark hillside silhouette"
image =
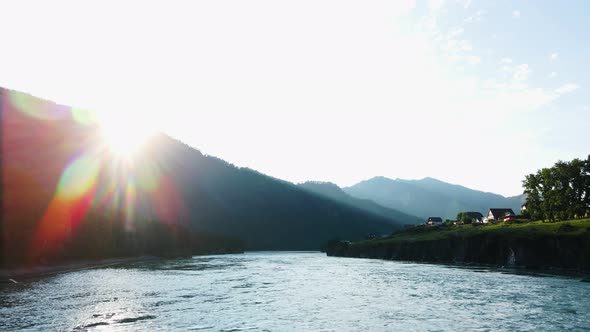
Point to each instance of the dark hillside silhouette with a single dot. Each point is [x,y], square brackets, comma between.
[65,196]
[267,213]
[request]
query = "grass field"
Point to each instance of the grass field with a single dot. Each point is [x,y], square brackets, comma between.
[521,230]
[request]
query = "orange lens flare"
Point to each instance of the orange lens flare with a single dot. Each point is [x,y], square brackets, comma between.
[113,180]
[167,203]
[75,192]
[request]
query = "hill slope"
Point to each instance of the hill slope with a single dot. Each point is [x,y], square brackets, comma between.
[429,197]
[66,195]
[334,192]
[265,212]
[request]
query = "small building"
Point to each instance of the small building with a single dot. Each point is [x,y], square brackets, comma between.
[434,221]
[499,214]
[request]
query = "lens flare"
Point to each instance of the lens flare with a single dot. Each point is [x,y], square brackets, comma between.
[78,178]
[75,192]
[130,203]
[123,134]
[67,180]
[35,107]
[83,116]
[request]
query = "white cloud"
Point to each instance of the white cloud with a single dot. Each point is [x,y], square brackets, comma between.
[522,100]
[521,74]
[553,56]
[553,74]
[468,59]
[506,60]
[455,32]
[473,60]
[566,88]
[516,14]
[466,4]
[436,4]
[478,17]
[463,45]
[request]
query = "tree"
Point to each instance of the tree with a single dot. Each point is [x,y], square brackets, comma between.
[532,189]
[464,217]
[560,192]
[468,217]
[585,183]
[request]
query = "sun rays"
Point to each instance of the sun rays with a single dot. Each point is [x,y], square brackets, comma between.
[124,135]
[107,169]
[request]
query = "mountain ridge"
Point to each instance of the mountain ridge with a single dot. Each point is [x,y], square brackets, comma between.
[65,196]
[333,191]
[429,196]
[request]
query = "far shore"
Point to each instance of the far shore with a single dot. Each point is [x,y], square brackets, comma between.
[560,247]
[16,274]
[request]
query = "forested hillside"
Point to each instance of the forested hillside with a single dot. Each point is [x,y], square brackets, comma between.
[66,196]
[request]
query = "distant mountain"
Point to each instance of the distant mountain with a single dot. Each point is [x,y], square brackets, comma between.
[65,196]
[334,192]
[430,197]
[265,212]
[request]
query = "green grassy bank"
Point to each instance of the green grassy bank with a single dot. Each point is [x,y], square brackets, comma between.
[557,245]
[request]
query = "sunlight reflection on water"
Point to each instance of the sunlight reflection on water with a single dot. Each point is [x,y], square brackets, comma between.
[294,292]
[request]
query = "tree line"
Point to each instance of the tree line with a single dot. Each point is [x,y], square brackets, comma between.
[559,192]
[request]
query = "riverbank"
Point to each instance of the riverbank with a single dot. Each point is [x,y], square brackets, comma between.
[13,275]
[561,246]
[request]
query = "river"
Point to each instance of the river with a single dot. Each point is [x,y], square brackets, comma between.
[290,291]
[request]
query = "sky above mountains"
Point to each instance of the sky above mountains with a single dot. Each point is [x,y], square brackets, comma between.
[469,92]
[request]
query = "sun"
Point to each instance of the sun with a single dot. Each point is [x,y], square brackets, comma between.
[123,134]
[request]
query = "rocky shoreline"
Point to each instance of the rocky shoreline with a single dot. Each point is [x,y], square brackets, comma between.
[555,252]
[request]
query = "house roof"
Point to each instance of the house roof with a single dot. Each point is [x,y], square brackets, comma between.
[435,219]
[500,213]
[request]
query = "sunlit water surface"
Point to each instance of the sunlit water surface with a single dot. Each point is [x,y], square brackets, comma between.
[294,292]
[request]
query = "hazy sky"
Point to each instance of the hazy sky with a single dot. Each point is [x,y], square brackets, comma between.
[474,93]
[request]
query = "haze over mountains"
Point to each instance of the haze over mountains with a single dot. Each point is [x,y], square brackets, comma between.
[430,197]
[336,193]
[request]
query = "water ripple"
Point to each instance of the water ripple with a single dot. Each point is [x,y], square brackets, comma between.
[295,292]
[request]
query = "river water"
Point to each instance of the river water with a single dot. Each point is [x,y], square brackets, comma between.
[289,291]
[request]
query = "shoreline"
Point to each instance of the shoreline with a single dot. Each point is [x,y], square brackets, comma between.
[15,274]
[561,248]
[582,275]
